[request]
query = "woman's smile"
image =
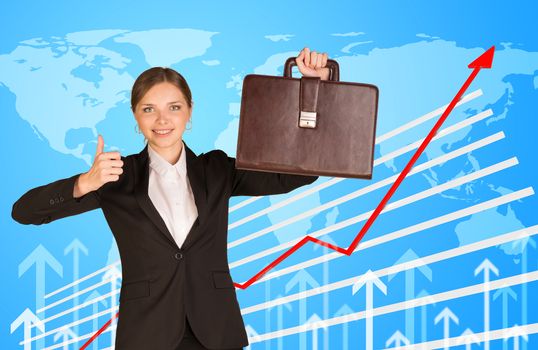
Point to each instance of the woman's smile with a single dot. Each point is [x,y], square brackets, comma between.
[162,132]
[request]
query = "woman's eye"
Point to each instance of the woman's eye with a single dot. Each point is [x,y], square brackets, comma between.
[176,108]
[146,109]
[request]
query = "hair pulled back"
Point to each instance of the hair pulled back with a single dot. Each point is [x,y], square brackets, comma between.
[156,75]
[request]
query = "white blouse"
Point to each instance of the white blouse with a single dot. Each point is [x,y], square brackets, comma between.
[170,191]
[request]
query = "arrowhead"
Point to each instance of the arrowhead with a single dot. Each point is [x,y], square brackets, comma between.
[368,278]
[523,239]
[27,316]
[112,274]
[76,244]
[485,60]
[94,295]
[38,256]
[486,265]
[424,294]
[468,337]
[343,311]
[314,320]
[301,278]
[516,331]
[505,290]
[397,338]
[286,305]
[251,332]
[447,314]
[410,255]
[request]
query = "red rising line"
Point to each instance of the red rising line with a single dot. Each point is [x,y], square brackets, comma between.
[101,330]
[483,61]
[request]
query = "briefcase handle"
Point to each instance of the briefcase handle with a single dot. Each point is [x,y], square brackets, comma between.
[334,69]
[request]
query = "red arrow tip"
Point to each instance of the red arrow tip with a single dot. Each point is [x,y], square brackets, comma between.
[485,60]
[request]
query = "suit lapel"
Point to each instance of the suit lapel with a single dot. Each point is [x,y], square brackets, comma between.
[196,175]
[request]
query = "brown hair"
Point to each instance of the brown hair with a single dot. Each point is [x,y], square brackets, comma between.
[155,75]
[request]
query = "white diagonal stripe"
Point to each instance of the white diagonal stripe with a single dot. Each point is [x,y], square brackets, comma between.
[391,206]
[404,232]
[444,132]
[422,261]
[413,303]
[469,97]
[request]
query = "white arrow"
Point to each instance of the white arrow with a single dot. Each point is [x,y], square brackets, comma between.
[369,279]
[505,292]
[252,334]
[398,339]
[345,311]
[41,258]
[65,333]
[486,266]
[409,274]
[95,309]
[27,318]
[524,240]
[516,332]
[302,279]
[280,318]
[331,217]
[446,315]
[468,337]
[424,313]
[316,323]
[113,275]
[76,247]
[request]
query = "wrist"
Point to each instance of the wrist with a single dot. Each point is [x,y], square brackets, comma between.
[81,187]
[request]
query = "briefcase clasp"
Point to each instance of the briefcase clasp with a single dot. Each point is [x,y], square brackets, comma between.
[307,119]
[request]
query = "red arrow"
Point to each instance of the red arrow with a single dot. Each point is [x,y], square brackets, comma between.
[484,61]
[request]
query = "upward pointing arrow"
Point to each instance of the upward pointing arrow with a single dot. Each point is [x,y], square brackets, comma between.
[516,332]
[484,61]
[40,257]
[302,278]
[369,279]
[486,266]
[398,339]
[27,318]
[252,334]
[505,292]
[468,337]
[446,315]
[409,274]
[76,247]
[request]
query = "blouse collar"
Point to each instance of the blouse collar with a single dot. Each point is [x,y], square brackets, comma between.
[162,166]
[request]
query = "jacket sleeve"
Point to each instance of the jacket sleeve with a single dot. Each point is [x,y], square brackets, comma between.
[53,201]
[259,183]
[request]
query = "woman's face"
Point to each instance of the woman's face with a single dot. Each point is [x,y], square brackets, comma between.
[162,115]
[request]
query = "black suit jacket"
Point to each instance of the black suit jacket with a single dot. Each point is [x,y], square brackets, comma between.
[163,283]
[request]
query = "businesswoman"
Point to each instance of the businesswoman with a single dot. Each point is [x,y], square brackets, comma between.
[168,211]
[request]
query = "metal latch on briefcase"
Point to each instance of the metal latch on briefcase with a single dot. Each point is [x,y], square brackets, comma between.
[308,102]
[307,119]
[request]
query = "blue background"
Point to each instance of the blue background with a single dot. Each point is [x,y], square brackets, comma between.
[416,52]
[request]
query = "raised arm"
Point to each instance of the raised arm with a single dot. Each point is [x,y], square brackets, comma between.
[258,183]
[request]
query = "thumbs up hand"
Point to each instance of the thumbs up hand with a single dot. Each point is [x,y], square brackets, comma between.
[312,64]
[107,167]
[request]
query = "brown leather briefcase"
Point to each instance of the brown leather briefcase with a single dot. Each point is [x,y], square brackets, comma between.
[306,125]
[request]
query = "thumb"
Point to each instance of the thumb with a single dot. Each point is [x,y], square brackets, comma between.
[100,145]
